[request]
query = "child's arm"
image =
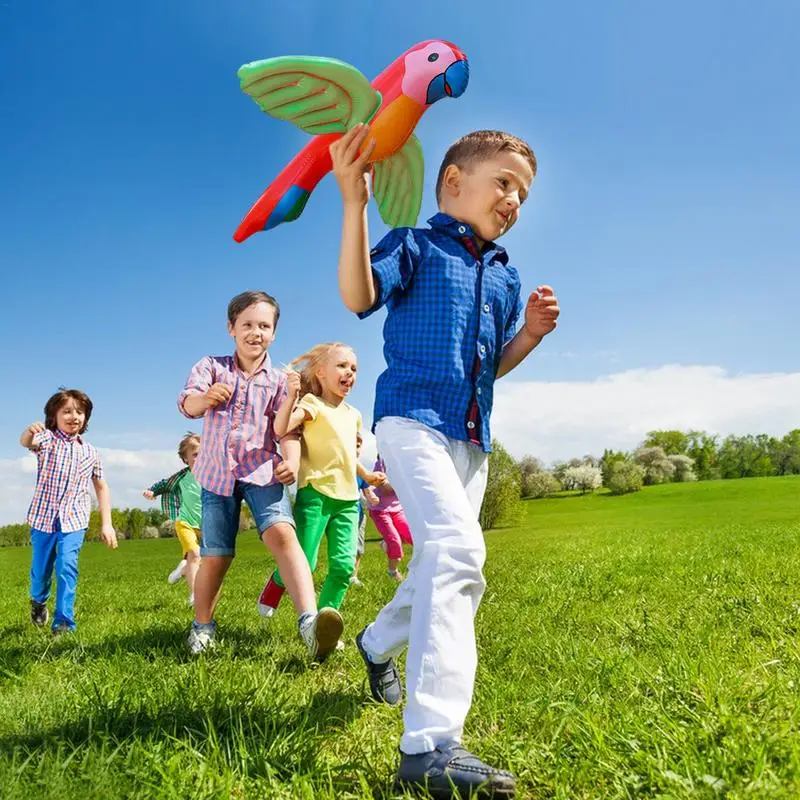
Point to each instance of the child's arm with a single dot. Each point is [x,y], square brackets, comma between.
[372,478]
[107,532]
[286,471]
[28,435]
[287,418]
[356,282]
[155,490]
[369,494]
[200,392]
[541,313]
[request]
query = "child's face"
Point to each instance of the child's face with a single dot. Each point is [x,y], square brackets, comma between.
[338,374]
[488,195]
[191,454]
[253,330]
[70,418]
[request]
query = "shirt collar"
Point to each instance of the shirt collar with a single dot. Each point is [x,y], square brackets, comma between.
[65,437]
[265,365]
[450,226]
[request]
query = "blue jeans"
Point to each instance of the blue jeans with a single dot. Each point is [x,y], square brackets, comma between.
[59,550]
[269,504]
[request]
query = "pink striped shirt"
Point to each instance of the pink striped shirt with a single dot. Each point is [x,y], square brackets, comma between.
[66,466]
[238,442]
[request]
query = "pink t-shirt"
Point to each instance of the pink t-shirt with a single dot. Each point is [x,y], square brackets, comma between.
[388,499]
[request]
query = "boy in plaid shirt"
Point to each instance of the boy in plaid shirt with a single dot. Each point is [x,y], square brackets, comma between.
[59,513]
[453,304]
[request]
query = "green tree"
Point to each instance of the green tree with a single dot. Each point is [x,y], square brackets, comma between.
[502,501]
[137,522]
[673,443]
[703,450]
[745,457]
[607,462]
[625,477]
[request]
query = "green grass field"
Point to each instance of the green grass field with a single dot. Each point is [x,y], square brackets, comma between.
[640,646]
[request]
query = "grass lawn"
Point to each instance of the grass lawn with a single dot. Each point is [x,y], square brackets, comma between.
[641,646]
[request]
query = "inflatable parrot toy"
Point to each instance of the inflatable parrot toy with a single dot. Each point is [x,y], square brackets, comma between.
[326,97]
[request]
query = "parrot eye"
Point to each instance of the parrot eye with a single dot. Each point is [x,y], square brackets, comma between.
[433,57]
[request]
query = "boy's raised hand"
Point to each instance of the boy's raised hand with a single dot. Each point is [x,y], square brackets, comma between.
[293,383]
[218,393]
[351,168]
[148,495]
[35,427]
[541,312]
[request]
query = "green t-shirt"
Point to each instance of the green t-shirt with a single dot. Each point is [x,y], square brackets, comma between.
[189,493]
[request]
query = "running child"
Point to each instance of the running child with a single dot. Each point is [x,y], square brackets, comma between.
[390,522]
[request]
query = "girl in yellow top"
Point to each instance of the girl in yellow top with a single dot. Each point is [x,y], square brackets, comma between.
[327,495]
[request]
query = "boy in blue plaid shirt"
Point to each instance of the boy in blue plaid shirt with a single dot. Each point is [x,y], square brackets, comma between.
[453,305]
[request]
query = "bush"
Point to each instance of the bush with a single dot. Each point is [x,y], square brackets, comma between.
[540,484]
[14,535]
[625,477]
[149,532]
[502,501]
[584,477]
[657,467]
[166,529]
[684,468]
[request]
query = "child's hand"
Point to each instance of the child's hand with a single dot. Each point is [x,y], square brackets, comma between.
[109,537]
[293,383]
[34,428]
[351,169]
[286,471]
[375,478]
[541,312]
[372,498]
[148,495]
[218,393]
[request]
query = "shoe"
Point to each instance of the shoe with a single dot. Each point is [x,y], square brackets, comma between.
[269,598]
[384,679]
[321,632]
[339,646]
[201,637]
[39,614]
[354,580]
[395,574]
[61,629]
[452,771]
[177,573]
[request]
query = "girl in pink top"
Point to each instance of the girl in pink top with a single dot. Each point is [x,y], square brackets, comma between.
[390,522]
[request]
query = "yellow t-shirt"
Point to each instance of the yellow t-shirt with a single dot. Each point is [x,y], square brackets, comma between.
[328,456]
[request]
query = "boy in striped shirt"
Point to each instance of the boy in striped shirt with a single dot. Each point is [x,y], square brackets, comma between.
[238,397]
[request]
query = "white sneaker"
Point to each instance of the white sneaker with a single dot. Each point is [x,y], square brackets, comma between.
[339,645]
[202,639]
[265,611]
[321,633]
[177,573]
[354,580]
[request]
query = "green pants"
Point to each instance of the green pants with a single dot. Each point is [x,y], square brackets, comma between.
[317,515]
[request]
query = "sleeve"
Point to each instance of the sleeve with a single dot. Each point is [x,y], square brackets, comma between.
[199,381]
[393,261]
[97,470]
[359,424]
[159,486]
[515,309]
[310,404]
[42,440]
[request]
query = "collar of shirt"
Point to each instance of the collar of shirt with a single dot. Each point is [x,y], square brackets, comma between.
[65,437]
[264,366]
[444,223]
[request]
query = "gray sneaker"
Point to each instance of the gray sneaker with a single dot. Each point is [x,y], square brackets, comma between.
[321,632]
[201,637]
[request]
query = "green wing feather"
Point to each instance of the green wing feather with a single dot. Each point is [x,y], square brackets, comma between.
[319,95]
[397,185]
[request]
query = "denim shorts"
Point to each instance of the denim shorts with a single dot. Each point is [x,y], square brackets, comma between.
[269,505]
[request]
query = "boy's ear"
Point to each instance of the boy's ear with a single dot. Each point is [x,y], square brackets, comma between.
[451,180]
[230,329]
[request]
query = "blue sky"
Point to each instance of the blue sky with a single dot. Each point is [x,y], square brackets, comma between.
[665,213]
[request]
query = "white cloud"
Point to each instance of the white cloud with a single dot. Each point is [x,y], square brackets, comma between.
[559,420]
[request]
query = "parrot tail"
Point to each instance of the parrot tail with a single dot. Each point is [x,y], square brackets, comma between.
[286,197]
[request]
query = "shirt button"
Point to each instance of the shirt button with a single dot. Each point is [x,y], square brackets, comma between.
[483,349]
[478,390]
[470,424]
[462,229]
[486,308]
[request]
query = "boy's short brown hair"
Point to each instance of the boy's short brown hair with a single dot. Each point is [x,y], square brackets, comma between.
[480,146]
[244,300]
[58,399]
[183,447]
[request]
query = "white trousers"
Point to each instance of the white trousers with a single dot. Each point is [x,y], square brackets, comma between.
[440,483]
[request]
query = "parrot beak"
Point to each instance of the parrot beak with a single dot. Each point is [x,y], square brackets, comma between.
[450,83]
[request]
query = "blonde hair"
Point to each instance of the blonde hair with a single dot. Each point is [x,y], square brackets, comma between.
[183,447]
[308,364]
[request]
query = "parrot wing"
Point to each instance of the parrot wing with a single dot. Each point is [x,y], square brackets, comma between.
[319,95]
[397,185]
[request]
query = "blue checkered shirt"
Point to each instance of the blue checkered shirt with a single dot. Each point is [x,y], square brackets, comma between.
[449,317]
